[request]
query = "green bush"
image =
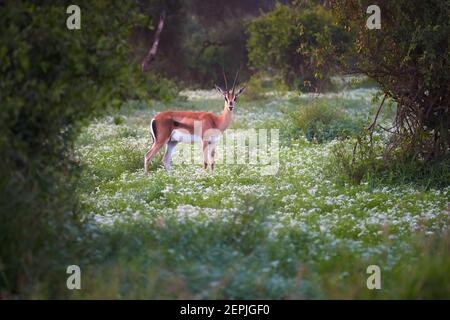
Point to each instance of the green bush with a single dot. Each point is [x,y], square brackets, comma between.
[319,121]
[159,88]
[51,81]
[409,57]
[254,89]
[259,85]
[289,40]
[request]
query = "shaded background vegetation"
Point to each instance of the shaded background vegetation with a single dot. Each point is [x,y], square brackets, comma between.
[53,81]
[199,38]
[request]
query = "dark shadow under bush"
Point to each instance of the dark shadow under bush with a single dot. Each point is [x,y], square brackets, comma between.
[371,162]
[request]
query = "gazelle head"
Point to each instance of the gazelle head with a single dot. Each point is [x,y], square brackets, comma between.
[231,95]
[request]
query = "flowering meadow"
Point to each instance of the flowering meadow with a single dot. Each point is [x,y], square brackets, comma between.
[236,234]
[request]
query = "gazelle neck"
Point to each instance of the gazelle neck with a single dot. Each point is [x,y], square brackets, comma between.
[225,118]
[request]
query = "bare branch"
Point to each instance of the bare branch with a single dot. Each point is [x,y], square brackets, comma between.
[152,52]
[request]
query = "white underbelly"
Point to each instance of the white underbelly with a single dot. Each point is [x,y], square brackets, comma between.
[183,136]
[180,136]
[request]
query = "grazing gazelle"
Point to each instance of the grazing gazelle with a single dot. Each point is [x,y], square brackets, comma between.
[171,127]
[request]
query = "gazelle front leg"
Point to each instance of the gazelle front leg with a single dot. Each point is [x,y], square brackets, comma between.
[205,147]
[212,150]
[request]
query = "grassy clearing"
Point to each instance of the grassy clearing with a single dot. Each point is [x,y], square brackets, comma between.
[238,234]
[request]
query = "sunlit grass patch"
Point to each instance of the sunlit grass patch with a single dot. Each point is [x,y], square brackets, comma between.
[235,233]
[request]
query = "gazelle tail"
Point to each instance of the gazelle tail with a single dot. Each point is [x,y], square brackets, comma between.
[153,129]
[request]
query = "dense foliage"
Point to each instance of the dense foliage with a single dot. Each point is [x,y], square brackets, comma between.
[322,121]
[409,57]
[51,80]
[291,40]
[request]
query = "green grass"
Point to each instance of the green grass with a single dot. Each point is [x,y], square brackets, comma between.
[238,234]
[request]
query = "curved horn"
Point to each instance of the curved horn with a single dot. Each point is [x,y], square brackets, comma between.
[225,78]
[235,78]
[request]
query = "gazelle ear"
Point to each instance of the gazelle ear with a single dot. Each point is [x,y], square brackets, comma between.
[219,89]
[240,91]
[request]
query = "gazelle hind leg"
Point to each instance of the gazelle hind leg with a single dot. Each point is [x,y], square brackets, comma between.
[168,155]
[151,153]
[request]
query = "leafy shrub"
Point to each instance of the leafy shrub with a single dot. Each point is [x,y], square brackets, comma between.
[319,121]
[254,89]
[260,84]
[289,40]
[118,120]
[410,65]
[51,80]
[159,88]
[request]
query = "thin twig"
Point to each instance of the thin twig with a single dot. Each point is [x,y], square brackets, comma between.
[371,128]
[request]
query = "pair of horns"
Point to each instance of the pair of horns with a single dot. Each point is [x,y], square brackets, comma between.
[225,78]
